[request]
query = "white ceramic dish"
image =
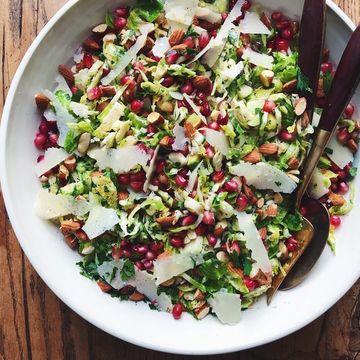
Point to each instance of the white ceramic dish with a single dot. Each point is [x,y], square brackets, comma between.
[55,262]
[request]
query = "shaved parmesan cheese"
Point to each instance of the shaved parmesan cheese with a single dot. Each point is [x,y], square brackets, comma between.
[79,55]
[176,95]
[113,113]
[195,108]
[217,139]
[100,220]
[161,46]
[253,241]
[263,60]
[49,114]
[62,85]
[80,110]
[170,266]
[121,160]
[129,56]
[106,271]
[151,169]
[50,206]
[227,307]
[192,178]
[319,184]
[52,157]
[219,42]
[180,140]
[341,155]
[205,13]
[252,24]
[265,177]
[233,72]
[180,11]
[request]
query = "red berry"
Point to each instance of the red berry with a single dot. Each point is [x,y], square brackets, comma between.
[122,12]
[204,39]
[277,16]
[218,176]
[124,179]
[335,221]
[235,247]
[209,151]
[303,210]
[126,79]
[250,284]
[188,220]
[43,127]
[177,242]
[223,120]
[95,93]
[287,34]
[231,186]
[291,244]
[205,109]
[88,61]
[137,185]
[343,135]
[209,218]
[187,88]
[74,89]
[201,229]
[177,311]
[40,140]
[343,188]
[349,111]
[53,139]
[168,81]
[281,45]
[212,240]
[120,23]
[284,135]
[246,5]
[136,106]
[138,66]
[283,24]
[269,106]
[242,202]
[214,126]
[181,181]
[326,67]
[171,57]
[189,42]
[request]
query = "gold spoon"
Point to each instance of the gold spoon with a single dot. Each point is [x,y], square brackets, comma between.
[343,87]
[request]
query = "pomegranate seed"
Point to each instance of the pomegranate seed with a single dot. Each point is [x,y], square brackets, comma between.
[335,221]
[287,34]
[343,188]
[281,45]
[213,33]
[223,120]
[43,127]
[40,158]
[187,88]
[137,185]
[123,179]
[343,175]
[231,186]
[218,176]
[138,176]
[136,106]
[188,220]
[148,264]
[189,42]
[138,66]
[141,249]
[160,166]
[209,151]
[269,106]
[126,79]
[116,252]
[214,126]
[343,135]
[271,44]
[124,244]
[284,135]
[177,242]
[246,5]
[155,58]
[88,61]
[171,57]
[74,89]
[204,39]
[291,244]
[139,265]
[326,67]
[53,139]
[181,181]
[235,247]
[95,93]
[40,140]
[277,16]
[205,109]
[303,210]
[177,311]
[120,23]
[212,240]
[242,202]
[349,111]
[168,81]
[201,229]
[250,284]
[224,16]
[283,24]
[209,218]
[156,247]
[151,129]
[122,12]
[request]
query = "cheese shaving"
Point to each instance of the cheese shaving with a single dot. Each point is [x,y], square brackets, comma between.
[192,178]
[255,58]
[227,307]
[341,155]
[161,46]
[52,157]
[252,24]
[151,169]
[180,139]
[217,139]
[181,11]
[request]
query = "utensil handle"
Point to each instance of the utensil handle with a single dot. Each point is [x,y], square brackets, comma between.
[344,84]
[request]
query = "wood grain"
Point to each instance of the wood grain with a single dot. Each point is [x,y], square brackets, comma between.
[35,324]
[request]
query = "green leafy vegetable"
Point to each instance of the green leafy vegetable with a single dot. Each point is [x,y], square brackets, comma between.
[128,270]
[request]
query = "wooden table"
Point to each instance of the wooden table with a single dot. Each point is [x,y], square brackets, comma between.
[35,324]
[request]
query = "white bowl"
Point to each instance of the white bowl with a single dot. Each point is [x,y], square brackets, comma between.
[56,263]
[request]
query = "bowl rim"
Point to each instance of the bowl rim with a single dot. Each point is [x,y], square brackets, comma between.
[5,189]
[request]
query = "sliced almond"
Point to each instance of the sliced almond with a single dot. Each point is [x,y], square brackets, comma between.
[70,163]
[66,73]
[155,118]
[250,194]
[136,296]
[266,21]
[293,163]
[176,37]
[352,145]
[71,241]
[166,221]
[91,45]
[290,86]
[111,37]
[105,287]
[122,195]
[254,157]
[84,143]
[300,106]
[42,101]
[263,233]
[202,312]
[69,226]
[108,90]
[269,149]
[202,83]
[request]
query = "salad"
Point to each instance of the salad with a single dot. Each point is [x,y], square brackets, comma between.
[171,150]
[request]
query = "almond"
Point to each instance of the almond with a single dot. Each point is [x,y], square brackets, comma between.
[320,93]
[271,210]
[63,172]
[263,233]
[105,287]
[269,149]
[202,311]
[42,101]
[71,241]
[149,44]
[337,200]
[161,19]
[278,198]
[166,220]
[190,131]
[234,270]
[70,163]
[130,43]
[352,145]
[122,195]
[266,20]
[155,118]
[166,141]
[176,37]
[166,106]
[91,45]
[293,163]
[108,90]
[81,235]
[101,106]
[202,83]
[261,278]
[111,37]
[266,77]
[250,194]
[301,106]
[69,226]
[199,295]
[168,283]
[290,86]
[254,157]
[136,296]
[66,73]
[181,48]
[84,143]
[100,29]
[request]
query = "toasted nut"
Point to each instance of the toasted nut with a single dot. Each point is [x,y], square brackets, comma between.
[352,145]
[320,93]
[149,44]
[300,106]
[163,179]
[84,143]
[100,29]
[278,198]
[337,200]
[271,210]
[130,43]
[246,39]
[290,86]
[108,90]
[176,37]
[269,149]
[263,233]
[66,73]
[42,101]
[69,226]
[105,287]
[260,203]
[190,131]
[166,106]
[202,312]
[250,194]
[122,195]
[166,141]
[166,220]
[71,241]
[293,163]
[202,83]
[81,235]
[168,283]
[155,118]
[91,45]
[136,296]
[101,106]
[266,20]
[63,172]
[111,37]
[254,157]
[266,77]
[181,48]
[161,19]
[70,163]
[235,270]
